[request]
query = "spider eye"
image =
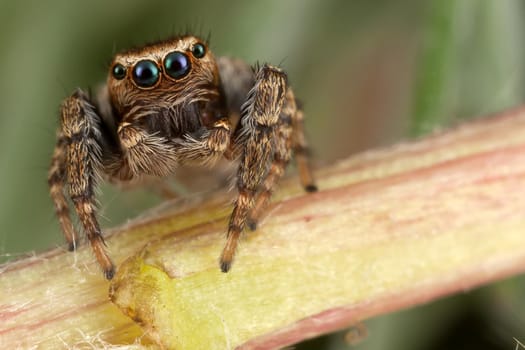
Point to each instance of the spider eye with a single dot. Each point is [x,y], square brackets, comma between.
[119,71]
[177,64]
[146,73]
[198,50]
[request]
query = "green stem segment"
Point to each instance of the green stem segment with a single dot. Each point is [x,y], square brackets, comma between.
[389,229]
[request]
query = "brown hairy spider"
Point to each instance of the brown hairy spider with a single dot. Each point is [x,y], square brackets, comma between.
[172,103]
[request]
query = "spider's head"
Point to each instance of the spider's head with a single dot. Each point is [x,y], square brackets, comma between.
[165,74]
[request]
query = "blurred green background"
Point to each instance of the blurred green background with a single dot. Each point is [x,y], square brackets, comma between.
[369,73]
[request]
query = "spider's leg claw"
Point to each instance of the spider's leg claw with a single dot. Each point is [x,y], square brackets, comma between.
[72,246]
[225,265]
[310,188]
[252,224]
[109,272]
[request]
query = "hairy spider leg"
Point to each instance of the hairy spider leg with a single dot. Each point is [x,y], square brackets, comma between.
[291,137]
[281,158]
[260,121]
[81,131]
[56,180]
[301,152]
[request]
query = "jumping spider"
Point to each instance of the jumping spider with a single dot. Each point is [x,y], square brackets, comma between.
[172,103]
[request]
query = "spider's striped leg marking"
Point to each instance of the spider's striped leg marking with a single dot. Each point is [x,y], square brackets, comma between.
[82,138]
[260,124]
[56,180]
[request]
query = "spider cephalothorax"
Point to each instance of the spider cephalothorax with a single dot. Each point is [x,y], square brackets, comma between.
[168,104]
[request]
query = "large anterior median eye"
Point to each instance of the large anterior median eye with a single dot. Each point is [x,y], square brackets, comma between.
[177,64]
[146,73]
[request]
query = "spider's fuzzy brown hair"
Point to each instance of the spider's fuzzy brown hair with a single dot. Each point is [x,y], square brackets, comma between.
[217,108]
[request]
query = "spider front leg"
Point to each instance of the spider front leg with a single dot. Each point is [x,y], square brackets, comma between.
[290,136]
[56,181]
[259,123]
[78,156]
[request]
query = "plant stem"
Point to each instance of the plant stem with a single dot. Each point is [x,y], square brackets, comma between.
[389,229]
